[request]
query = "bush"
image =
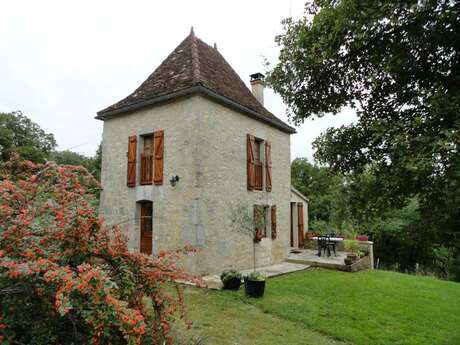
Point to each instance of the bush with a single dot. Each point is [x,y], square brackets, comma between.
[256,276]
[229,275]
[65,276]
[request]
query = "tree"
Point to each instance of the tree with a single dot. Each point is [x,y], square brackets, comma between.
[68,278]
[324,189]
[249,224]
[18,134]
[397,63]
[92,164]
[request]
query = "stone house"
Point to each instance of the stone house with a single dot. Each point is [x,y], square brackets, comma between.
[184,149]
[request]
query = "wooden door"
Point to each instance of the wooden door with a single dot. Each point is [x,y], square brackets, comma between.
[292,224]
[300,223]
[146,227]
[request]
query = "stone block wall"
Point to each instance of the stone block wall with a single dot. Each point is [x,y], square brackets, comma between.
[205,145]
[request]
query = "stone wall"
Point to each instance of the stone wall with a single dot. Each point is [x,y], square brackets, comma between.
[205,145]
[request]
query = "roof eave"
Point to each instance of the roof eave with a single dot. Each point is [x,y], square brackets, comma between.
[299,194]
[103,115]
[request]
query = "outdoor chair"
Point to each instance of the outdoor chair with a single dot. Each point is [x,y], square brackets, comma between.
[322,244]
[330,245]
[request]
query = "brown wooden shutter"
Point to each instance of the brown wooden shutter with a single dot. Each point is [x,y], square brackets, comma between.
[132,152]
[300,223]
[158,138]
[273,219]
[268,166]
[250,146]
[258,213]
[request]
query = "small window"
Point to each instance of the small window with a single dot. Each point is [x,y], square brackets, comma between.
[262,221]
[259,165]
[147,159]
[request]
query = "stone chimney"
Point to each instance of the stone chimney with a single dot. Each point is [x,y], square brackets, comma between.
[257,84]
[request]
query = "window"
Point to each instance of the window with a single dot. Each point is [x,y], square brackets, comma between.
[258,159]
[258,162]
[147,159]
[262,221]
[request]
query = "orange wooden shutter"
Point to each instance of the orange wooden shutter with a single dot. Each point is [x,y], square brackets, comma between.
[158,138]
[268,166]
[300,223]
[250,146]
[273,219]
[132,152]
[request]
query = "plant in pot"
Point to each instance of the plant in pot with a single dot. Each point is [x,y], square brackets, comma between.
[351,246]
[254,284]
[251,224]
[231,279]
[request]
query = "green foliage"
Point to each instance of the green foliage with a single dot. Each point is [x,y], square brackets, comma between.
[256,276]
[18,134]
[243,221]
[68,278]
[230,274]
[92,164]
[326,203]
[397,64]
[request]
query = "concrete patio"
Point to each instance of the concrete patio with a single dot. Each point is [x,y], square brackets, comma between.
[213,281]
[310,257]
[336,262]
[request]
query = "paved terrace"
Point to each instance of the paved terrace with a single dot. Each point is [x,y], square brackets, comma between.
[213,281]
[310,257]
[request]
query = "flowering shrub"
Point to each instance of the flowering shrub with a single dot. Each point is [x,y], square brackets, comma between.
[66,277]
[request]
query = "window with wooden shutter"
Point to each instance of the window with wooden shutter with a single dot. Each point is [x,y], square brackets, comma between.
[147,160]
[259,222]
[132,152]
[158,138]
[300,223]
[268,166]
[273,221]
[250,148]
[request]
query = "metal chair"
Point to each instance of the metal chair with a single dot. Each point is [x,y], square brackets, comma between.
[322,244]
[330,245]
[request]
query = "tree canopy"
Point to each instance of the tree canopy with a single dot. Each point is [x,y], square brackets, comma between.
[397,64]
[18,134]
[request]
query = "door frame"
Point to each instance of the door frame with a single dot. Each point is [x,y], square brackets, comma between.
[145,222]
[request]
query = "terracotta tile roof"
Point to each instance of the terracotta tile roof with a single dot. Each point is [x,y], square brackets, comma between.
[196,67]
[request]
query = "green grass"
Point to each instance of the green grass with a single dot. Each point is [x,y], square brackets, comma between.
[330,307]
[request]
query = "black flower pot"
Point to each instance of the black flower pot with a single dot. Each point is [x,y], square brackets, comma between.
[254,288]
[232,284]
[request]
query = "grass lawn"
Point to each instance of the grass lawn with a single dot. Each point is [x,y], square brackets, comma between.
[329,307]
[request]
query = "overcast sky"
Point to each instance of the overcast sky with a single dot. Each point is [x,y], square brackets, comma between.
[62,61]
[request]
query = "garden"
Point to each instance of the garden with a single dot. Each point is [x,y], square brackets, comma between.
[320,306]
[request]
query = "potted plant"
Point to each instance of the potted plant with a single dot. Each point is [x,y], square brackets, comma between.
[245,222]
[254,285]
[350,245]
[231,279]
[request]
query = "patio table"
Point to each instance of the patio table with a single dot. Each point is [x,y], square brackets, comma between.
[334,239]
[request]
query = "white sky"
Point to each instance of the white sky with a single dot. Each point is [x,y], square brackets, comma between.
[62,61]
